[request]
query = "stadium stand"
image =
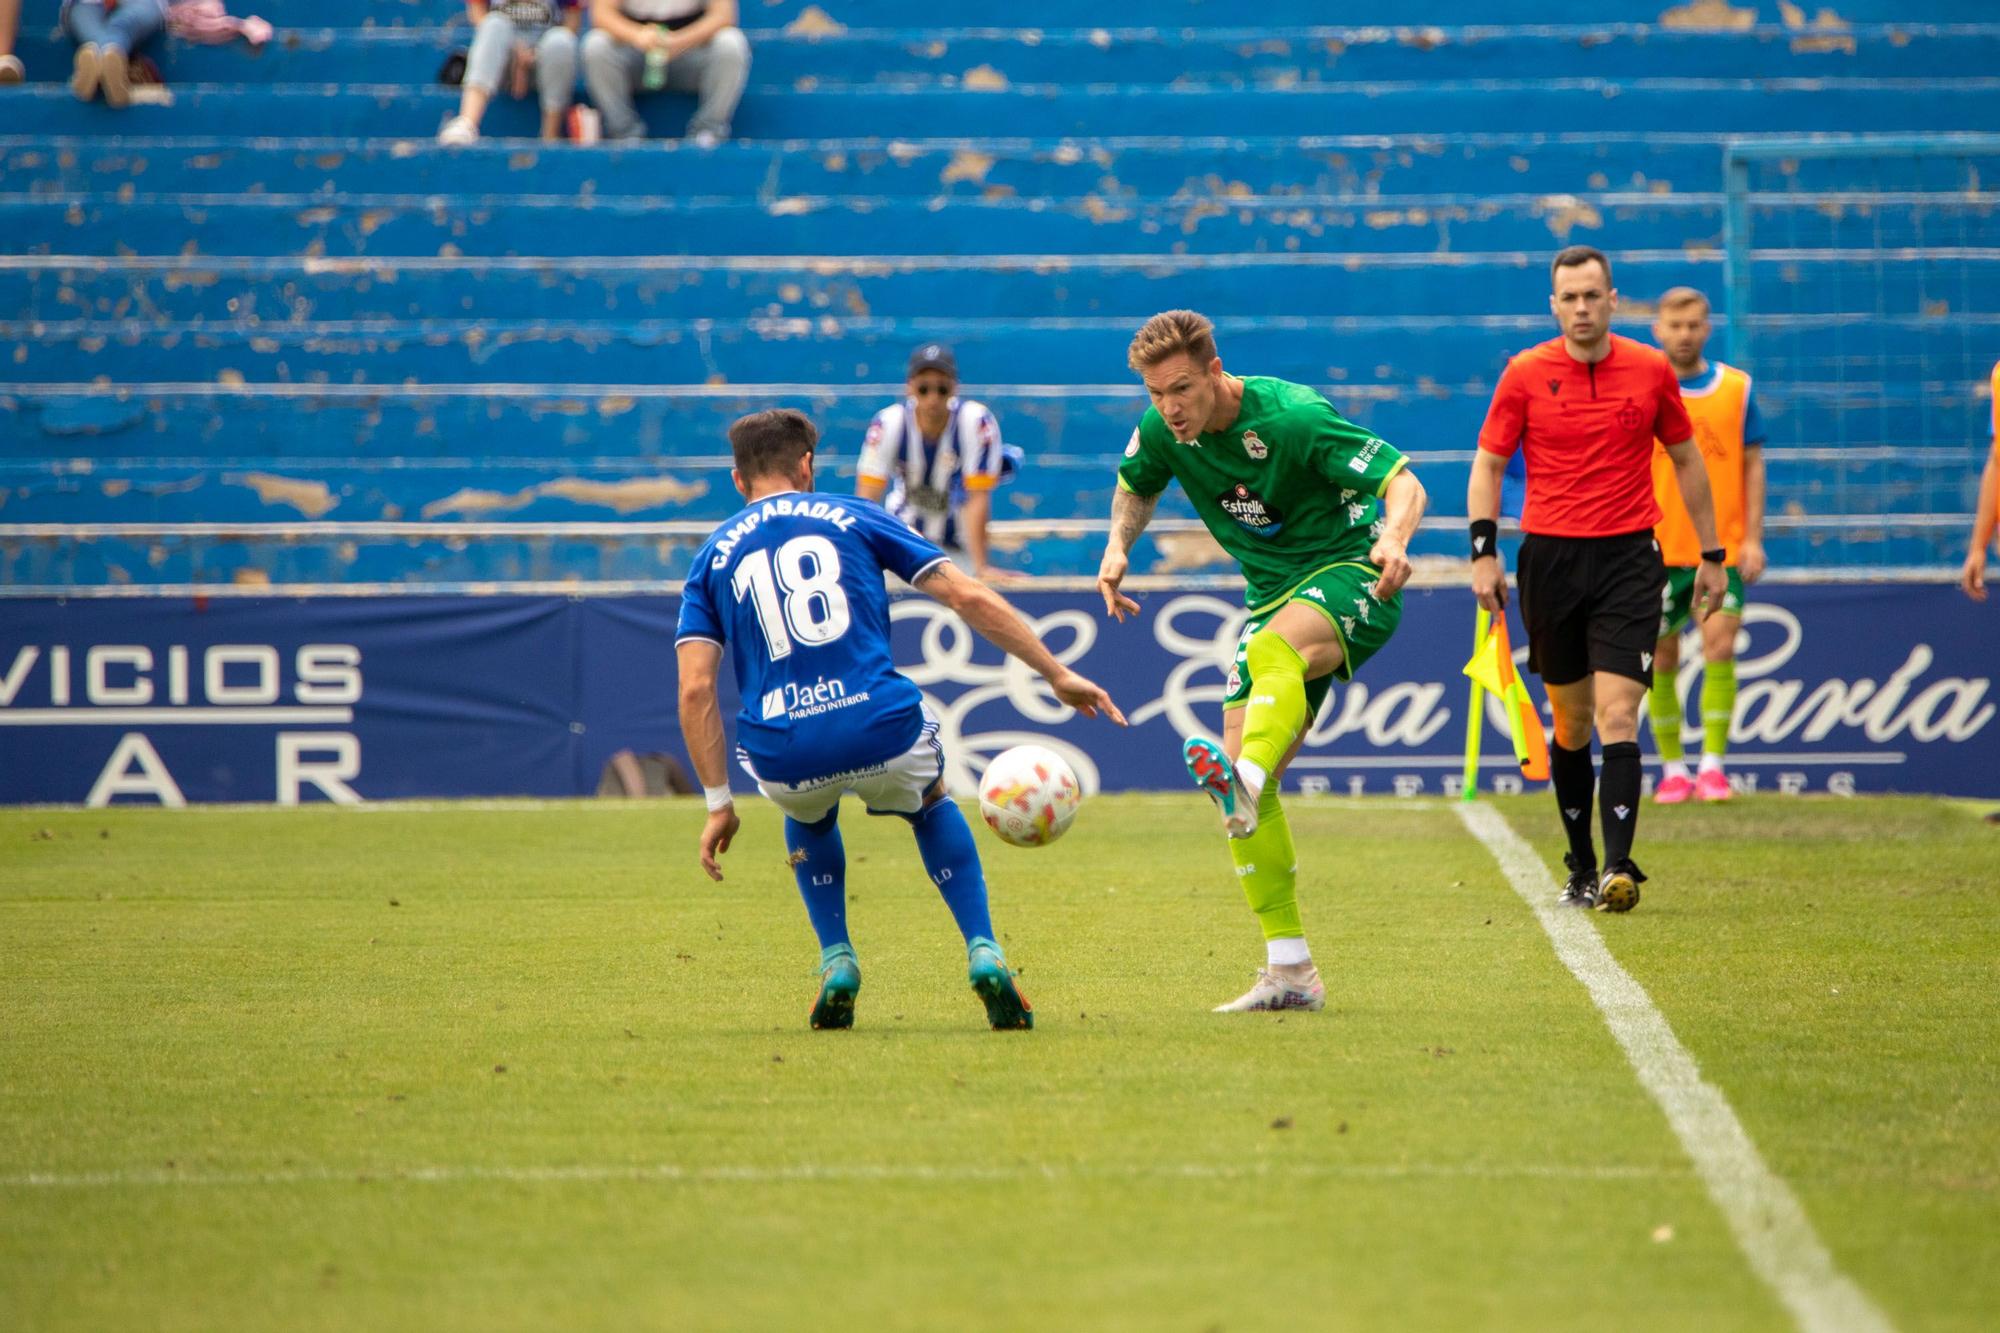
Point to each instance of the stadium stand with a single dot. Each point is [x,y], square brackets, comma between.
[274,332]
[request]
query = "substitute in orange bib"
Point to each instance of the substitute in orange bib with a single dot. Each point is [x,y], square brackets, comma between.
[1730,434]
[1585,410]
[1985,518]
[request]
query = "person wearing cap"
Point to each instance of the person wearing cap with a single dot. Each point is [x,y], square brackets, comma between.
[934,458]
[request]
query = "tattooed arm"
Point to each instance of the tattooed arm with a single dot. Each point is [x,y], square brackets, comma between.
[1129,516]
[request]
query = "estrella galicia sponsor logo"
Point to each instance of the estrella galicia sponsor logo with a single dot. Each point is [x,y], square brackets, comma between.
[1248,508]
[796,699]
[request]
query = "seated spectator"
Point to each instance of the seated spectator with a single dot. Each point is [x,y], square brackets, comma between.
[536,41]
[933,460]
[10,23]
[107,38]
[681,46]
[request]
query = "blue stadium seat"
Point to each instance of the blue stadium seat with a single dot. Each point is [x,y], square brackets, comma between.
[277,301]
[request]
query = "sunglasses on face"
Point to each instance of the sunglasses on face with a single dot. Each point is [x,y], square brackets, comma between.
[933,391]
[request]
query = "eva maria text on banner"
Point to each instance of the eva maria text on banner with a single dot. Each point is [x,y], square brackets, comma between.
[1844,689]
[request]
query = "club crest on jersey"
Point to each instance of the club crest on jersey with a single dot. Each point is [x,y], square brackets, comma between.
[1255,447]
[1132,446]
[1629,416]
[1248,508]
[1555,388]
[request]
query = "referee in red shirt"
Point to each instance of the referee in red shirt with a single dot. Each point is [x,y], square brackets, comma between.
[1586,408]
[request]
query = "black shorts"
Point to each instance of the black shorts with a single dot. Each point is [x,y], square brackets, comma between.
[1590,604]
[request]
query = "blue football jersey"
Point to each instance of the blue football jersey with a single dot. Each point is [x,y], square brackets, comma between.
[792,586]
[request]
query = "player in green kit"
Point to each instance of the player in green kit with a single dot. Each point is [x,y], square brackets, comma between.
[1290,488]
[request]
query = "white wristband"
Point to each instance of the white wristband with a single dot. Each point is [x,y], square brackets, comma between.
[718,798]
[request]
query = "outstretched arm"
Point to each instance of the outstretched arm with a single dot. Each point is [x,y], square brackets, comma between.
[1129,516]
[1000,624]
[1403,502]
[701,727]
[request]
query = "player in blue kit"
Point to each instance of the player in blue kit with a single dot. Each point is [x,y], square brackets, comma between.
[793,587]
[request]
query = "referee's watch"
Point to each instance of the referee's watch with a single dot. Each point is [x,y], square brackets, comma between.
[1715,557]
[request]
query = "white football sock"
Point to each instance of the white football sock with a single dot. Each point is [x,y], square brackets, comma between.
[1252,776]
[1675,768]
[1711,763]
[1287,952]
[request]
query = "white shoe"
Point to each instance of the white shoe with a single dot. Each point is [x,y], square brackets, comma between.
[84,74]
[585,125]
[1274,992]
[10,69]
[115,77]
[706,139]
[458,132]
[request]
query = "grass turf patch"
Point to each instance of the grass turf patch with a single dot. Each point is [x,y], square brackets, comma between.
[524,1067]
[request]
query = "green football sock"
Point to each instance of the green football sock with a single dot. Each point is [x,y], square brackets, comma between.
[1664,702]
[1269,868]
[1276,713]
[1718,706]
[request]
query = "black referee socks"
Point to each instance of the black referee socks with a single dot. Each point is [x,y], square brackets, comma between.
[1618,800]
[1575,781]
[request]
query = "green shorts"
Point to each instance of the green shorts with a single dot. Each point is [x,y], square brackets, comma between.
[1677,599]
[1345,595]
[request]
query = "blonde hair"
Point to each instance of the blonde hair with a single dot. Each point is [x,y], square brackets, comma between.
[1171,333]
[1676,297]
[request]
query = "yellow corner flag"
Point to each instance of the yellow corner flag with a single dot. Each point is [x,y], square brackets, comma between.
[1492,668]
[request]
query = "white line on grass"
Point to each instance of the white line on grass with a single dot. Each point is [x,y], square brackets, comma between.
[1770,1226]
[669,1173]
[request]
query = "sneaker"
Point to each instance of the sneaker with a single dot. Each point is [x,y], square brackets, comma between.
[1580,890]
[1673,790]
[114,77]
[1712,785]
[85,72]
[1618,891]
[11,70]
[1272,991]
[705,139]
[1213,773]
[993,980]
[585,125]
[458,132]
[839,983]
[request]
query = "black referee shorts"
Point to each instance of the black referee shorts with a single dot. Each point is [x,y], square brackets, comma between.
[1590,604]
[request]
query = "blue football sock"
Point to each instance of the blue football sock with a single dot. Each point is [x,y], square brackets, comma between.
[819,863]
[945,843]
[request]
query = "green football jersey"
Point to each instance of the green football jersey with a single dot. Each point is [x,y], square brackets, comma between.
[1287,488]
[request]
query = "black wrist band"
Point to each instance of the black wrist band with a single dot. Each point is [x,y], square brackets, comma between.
[1485,538]
[1715,557]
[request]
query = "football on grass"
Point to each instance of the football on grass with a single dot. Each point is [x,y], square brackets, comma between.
[1029,795]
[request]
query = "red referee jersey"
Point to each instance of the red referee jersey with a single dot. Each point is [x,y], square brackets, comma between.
[1588,430]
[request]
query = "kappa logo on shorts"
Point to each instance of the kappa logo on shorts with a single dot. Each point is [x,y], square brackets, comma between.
[1347,626]
[1315,594]
[1255,447]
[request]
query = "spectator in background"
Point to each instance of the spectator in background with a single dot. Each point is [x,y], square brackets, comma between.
[10,23]
[107,37]
[1986,515]
[536,40]
[680,46]
[934,459]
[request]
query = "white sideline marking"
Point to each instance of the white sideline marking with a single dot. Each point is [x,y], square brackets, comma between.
[668,1173]
[1770,1227]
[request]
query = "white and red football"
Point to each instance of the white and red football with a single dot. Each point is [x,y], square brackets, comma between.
[1029,796]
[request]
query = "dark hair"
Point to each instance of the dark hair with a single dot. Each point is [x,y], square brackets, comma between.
[772,441]
[1572,255]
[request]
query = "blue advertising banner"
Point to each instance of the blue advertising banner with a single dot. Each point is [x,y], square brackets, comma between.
[1843,689]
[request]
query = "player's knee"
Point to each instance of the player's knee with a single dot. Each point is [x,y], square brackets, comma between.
[1268,654]
[1617,720]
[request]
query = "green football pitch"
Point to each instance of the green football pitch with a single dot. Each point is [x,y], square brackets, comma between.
[525,1067]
